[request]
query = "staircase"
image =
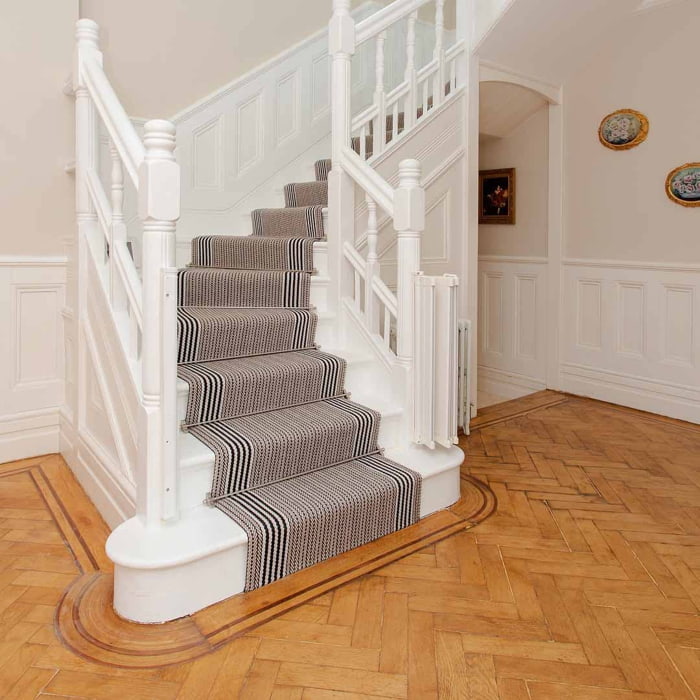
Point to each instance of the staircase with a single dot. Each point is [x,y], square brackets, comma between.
[288,404]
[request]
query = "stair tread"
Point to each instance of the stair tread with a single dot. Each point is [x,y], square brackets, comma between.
[308,518]
[209,332]
[223,389]
[255,450]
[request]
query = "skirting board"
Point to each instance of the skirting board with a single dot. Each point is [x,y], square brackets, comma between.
[636,392]
[509,385]
[110,498]
[29,434]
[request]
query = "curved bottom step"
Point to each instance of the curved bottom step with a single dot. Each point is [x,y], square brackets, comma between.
[167,572]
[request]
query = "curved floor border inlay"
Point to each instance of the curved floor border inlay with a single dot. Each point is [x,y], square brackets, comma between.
[88,625]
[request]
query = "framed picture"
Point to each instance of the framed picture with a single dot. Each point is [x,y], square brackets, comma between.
[497,196]
[683,185]
[623,129]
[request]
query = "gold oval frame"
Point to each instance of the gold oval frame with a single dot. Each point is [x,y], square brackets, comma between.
[639,138]
[669,191]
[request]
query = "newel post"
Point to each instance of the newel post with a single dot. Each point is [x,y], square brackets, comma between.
[341,190]
[159,209]
[86,159]
[409,222]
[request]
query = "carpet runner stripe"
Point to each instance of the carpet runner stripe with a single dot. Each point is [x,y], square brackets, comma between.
[296,463]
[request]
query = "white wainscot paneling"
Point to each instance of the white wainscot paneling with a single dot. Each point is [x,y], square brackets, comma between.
[32,296]
[631,335]
[512,325]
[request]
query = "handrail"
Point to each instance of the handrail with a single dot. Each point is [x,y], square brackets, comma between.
[384,18]
[99,199]
[132,283]
[384,294]
[114,116]
[369,180]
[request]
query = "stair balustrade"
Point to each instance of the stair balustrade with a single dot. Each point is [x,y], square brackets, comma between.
[141,308]
[392,321]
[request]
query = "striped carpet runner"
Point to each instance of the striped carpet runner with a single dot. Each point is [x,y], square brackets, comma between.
[297,464]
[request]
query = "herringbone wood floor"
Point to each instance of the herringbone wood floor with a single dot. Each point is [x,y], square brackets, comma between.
[584,585]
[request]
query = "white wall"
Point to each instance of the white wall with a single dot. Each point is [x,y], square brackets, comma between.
[163,55]
[36,201]
[524,149]
[513,263]
[631,279]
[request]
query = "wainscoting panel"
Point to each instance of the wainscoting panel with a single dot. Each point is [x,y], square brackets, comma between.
[512,323]
[32,296]
[631,335]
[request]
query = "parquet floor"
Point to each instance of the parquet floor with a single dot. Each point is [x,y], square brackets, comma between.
[585,584]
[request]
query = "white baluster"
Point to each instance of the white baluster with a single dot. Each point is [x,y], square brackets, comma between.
[159,209]
[425,96]
[439,54]
[411,106]
[117,235]
[357,291]
[387,328]
[363,143]
[134,337]
[395,121]
[371,265]
[379,140]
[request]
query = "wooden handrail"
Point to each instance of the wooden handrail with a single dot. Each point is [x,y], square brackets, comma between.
[369,180]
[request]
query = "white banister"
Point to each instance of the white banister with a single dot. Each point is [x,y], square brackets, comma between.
[144,311]
[392,321]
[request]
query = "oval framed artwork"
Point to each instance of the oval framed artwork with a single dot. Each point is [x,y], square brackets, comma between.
[683,185]
[623,129]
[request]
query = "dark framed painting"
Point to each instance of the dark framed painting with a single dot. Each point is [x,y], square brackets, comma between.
[497,196]
[683,185]
[623,129]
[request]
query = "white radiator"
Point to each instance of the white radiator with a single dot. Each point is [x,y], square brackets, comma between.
[435,377]
[464,409]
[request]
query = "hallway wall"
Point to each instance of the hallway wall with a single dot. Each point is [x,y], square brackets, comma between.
[631,274]
[513,265]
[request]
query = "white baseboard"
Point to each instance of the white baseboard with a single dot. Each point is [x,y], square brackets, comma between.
[114,502]
[664,398]
[509,385]
[29,434]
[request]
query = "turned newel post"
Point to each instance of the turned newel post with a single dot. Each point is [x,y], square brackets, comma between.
[341,190]
[409,221]
[159,209]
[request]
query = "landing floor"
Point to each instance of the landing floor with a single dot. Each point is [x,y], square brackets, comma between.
[585,583]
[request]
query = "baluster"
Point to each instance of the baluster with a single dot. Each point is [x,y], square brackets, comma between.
[371,265]
[379,140]
[387,327]
[134,337]
[453,75]
[363,142]
[411,107]
[117,234]
[439,54]
[357,291]
[395,120]
[425,96]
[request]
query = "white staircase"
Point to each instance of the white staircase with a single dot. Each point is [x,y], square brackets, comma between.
[177,554]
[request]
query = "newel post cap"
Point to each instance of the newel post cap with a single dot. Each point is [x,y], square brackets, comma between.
[159,173]
[409,198]
[87,43]
[341,29]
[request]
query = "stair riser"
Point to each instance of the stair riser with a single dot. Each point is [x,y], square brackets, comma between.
[196,479]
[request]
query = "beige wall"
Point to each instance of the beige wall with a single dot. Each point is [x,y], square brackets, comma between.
[525,149]
[36,133]
[163,55]
[615,204]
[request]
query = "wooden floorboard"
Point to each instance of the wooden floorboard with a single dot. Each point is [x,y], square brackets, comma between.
[585,583]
